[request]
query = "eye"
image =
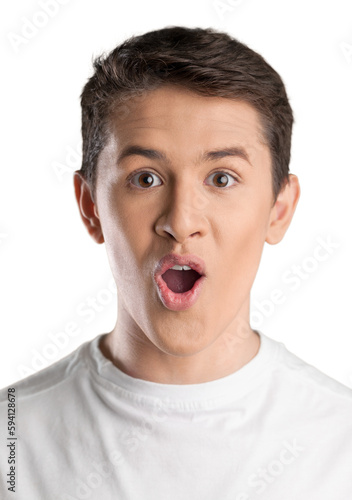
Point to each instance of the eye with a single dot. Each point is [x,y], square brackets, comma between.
[221,179]
[144,179]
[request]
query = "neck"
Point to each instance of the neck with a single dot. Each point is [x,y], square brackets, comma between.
[130,350]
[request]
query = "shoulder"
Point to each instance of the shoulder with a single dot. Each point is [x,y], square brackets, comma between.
[308,386]
[49,379]
[304,371]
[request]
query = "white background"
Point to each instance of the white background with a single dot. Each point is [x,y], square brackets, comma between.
[50,266]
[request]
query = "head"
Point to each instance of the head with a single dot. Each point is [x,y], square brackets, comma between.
[163,116]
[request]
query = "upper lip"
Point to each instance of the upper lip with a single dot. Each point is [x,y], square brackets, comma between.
[172,259]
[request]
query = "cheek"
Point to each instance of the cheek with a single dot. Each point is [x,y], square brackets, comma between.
[246,254]
[126,230]
[119,239]
[120,220]
[244,247]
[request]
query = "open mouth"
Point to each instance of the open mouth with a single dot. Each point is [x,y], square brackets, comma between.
[180,281]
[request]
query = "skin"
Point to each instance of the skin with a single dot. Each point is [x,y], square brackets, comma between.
[185,209]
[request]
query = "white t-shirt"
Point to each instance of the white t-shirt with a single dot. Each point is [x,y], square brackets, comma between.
[277,429]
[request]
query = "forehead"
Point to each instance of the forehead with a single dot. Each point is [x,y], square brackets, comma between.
[185,124]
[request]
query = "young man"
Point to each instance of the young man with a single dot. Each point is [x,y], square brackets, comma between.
[185,176]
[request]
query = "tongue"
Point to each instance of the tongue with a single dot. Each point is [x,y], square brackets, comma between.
[180,281]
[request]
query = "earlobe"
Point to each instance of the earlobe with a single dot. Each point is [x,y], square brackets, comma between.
[283,210]
[87,207]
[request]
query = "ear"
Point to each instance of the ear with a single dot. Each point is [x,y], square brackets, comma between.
[283,210]
[87,207]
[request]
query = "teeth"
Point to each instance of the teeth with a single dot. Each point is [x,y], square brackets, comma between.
[180,268]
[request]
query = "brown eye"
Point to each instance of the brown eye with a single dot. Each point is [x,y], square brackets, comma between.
[144,179]
[220,179]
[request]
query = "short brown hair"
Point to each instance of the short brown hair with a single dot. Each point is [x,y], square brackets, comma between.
[206,61]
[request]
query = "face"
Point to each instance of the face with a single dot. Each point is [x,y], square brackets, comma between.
[198,181]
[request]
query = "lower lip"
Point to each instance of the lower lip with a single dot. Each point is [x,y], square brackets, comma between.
[179,301]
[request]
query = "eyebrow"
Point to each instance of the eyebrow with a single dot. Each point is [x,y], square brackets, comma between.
[153,154]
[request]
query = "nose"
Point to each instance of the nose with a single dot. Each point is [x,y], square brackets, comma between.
[184,215]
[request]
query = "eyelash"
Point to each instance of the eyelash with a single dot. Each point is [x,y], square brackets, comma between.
[134,174]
